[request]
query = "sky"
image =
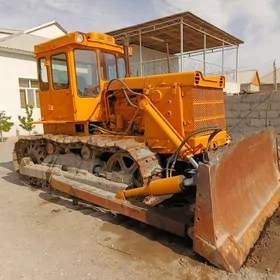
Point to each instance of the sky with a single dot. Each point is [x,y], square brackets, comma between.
[256,22]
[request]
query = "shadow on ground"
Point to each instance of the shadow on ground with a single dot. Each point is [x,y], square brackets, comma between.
[4,140]
[7,165]
[181,246]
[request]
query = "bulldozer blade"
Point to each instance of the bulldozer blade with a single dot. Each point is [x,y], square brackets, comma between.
[236,193]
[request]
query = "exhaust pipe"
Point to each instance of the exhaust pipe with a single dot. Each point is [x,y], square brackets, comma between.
[126,56]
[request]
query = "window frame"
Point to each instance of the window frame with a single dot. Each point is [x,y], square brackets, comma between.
[67,67]
[40,81]
[28,88]
[118,71]
[98,70]
[116,58]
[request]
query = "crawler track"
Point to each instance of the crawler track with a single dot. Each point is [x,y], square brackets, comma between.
[96,148]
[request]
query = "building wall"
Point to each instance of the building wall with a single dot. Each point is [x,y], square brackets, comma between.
[13,67]
[254,88]
[50,32]
[154,62]
[250,113]
[269,87]
[2,35]
[245,87]
[231,87]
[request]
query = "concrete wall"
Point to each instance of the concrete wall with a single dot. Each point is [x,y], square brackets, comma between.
[268,87]
[253,112]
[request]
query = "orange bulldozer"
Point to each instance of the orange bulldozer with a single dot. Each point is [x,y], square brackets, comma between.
[152,148]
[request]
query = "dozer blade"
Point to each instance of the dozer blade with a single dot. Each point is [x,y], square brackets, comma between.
[236,193]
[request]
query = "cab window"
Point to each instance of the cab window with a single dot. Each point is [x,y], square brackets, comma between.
[108,66]
[121,67]
[43,75]
[60,78]
[87,79]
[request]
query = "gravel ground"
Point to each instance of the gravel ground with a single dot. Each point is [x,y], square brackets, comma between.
[47,237]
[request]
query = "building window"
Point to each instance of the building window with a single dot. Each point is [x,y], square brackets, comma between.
[29,94]
[59,71]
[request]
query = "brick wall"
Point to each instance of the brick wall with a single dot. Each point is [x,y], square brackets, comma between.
[253,112]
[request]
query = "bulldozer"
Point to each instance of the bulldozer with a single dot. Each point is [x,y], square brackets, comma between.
[152,148]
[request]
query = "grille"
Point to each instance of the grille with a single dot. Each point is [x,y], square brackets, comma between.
[208,108]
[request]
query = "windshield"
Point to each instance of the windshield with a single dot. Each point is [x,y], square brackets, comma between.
[86,73]
[108,66]
[86,68]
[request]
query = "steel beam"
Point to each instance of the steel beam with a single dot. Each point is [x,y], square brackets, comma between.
[140,54]
[182,42]
[236,67]
[204,54]
[223,57]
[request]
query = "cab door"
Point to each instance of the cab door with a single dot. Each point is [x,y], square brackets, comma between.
[60,105]
[44,86]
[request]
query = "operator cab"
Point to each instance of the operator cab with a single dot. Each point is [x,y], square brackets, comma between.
[72,71]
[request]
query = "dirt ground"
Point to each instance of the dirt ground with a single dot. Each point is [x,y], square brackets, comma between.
[44,236]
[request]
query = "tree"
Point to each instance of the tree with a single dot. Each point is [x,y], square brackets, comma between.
[28,118]
[5,124]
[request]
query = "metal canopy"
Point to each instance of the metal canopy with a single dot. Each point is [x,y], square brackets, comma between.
[155,33]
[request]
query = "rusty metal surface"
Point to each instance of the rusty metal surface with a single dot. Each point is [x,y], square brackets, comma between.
[147,161]
[157,217]
[236,193]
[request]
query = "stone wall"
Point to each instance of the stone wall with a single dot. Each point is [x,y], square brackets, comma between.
[252,112]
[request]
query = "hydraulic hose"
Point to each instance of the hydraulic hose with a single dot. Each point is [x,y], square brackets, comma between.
[174,157]
[124,84]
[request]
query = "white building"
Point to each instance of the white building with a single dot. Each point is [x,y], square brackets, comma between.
[247,80]
[268,81]
[18,73]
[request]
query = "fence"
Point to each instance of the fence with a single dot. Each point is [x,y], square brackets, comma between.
[160,66]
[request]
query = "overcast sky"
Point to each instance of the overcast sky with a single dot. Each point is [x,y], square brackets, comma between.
[256,22]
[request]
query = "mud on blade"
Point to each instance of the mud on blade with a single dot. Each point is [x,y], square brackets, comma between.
[236,193]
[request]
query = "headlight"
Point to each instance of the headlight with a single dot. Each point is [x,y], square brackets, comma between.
[80,38]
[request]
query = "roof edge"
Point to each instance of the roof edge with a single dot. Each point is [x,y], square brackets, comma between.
[141,25]
[46,25]
[17,51]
